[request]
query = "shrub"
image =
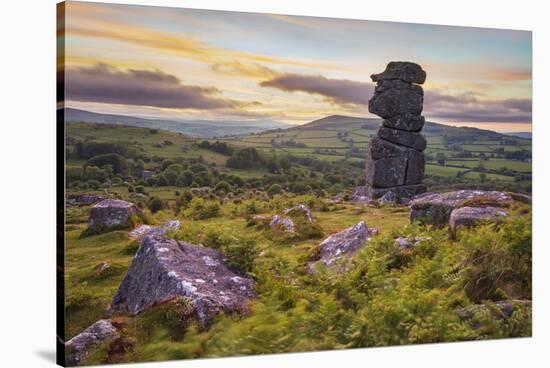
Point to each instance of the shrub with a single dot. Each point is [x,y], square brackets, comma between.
[94,184]
[222,186]
[155,204]
[240,251]
[118,163]
[274,189]
[201,209]
[498,264]
[140,189]
[116,182]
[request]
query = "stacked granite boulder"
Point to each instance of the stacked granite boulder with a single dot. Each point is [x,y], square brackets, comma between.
[395,158]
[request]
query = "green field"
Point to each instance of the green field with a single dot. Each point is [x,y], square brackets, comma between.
[392,296]
[340,139]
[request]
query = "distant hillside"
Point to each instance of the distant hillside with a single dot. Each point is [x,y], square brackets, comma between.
[336,121]
[196,128]
[453,153]
[525,135]
[430,128]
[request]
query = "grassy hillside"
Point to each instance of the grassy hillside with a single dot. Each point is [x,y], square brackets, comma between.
[327,154]
[195,128]
[480,155]
[392,297]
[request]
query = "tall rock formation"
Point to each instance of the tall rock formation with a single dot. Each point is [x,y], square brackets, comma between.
[395,158]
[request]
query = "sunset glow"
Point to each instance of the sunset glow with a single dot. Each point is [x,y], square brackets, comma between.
[175,63]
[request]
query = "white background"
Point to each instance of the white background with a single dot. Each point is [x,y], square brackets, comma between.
[27,179]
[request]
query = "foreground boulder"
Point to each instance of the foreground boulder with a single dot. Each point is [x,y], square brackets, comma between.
[79,346]
[164,269]
[343,244]
[436,208]
[472,216]
[112,213]
[146,230]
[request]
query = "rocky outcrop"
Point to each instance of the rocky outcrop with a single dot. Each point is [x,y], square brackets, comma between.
[395,158]
[472,216]
[402,70]
[298,210]
[84,200]
[146,230]
[342,244]
[360,195]
[164,269]
[388,198]
[112,213]
[78,347]
[436,208]
[284,223]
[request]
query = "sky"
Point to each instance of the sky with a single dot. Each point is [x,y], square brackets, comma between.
[175,63]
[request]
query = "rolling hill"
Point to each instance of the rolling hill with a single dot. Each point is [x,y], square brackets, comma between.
[194,128]
[476,153]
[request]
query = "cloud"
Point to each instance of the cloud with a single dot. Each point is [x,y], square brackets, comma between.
[237,68]
[89,21]
[465,107]
[336,91]
[107,84]
[475,108]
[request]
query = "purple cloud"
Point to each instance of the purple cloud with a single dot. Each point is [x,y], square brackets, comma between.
[469,107]
[107,84]
[336,91]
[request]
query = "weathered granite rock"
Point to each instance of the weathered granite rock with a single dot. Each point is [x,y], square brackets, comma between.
[360,195]
[403,138]
[388,198]
[112,213]
[300,209]
[436,208]
[79,346]
[386,172]
[403,191]
[472,216]
[407,99]
[403,70]
[164,269]
[284,223]
[386,163]
[343,244]
[415,167]
[523,198]
[394,161]
[408,122]
[408,243]
[84,200]
[146,230]
[404,201]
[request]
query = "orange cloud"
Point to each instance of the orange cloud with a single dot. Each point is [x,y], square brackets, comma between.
[252,70]
[82,24]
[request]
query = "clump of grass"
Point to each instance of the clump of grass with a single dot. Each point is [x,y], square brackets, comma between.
[78,298]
